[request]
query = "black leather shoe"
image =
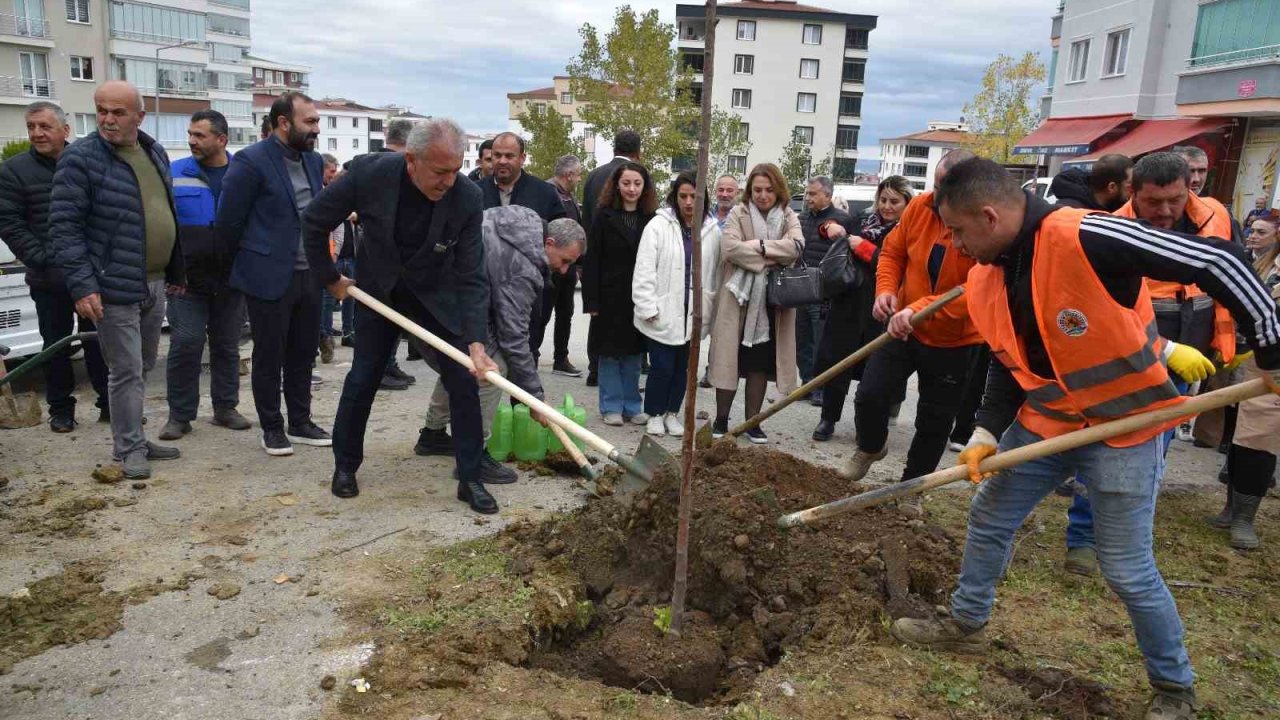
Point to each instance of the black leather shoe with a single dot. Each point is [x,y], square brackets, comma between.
[344,484]
[62,423]
[394,371]
[824,431]
[474,494]
[433,442]
[593,380]
[494,473]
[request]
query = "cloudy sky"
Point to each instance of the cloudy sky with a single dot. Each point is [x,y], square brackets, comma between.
[460,59]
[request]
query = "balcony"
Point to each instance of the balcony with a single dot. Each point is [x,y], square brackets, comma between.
[19,87]
[1234,66]
[16,25]
[1055,30]
[237,4]
[692,34]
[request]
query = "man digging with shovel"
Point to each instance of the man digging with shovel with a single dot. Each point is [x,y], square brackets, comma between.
[1060,298]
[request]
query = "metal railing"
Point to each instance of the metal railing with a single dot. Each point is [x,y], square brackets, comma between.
[28,87]
[1266,52]
[24,26]
[237,4]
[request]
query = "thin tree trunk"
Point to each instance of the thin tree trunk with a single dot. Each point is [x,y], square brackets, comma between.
[680,586]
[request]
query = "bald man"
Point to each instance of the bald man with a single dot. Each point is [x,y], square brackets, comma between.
[113,225]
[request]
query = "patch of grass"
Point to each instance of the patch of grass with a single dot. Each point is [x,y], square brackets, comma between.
[406,622]
[953,683]
[746,711]
[472,560]
[662,618]
[623,702]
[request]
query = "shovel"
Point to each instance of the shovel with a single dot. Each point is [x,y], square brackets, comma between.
[16,411]
[640,467]
[858,356]
[589,473]
[1034,451]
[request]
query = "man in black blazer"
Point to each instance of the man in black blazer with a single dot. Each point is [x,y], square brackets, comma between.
[511,185]
[422,254]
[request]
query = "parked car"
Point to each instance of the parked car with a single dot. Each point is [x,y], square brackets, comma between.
[1040,186]
[19,327]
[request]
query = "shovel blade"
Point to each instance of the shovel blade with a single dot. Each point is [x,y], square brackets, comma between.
[648,459]
[21,410]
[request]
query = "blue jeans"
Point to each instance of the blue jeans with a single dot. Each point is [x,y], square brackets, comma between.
[1122,483]
[192,319]
[809,322]
[620,385]
[668,368]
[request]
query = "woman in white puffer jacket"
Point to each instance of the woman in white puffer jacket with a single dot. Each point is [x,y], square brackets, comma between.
[661,288]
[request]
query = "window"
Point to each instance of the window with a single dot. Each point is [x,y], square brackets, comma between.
[1079,61]
[81,68]
[742,134]
[855,71]
[809,69]
[1117,56]
[333,143]
[812,35]
[227,25]
[221,52]
[151,24]
[257,72]
[744,64]
[806,102]
[35,75]
[746,29]
[846,137]
[737,165]
[851,104]
[566,98]
[216,80]
[375,124]
[355,143]
[277,77]
[233,108]
[915,170]
[293,77]
[355,123]
[844,169]
[856,38]
[375,145]
[85,123]
[78,11]
[741,98]
[919,152]
[333,123]
[803,134]
[691,61]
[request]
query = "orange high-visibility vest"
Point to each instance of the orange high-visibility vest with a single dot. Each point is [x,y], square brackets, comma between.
[1211,220]
[1106,357]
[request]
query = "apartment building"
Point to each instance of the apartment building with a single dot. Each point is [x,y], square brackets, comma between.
[788,70]
[916,156]
[471,159]
[347,128]
[558,98]
[271,77]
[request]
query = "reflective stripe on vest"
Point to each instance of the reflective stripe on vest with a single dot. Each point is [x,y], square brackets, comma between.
[184,181]
[1106,357]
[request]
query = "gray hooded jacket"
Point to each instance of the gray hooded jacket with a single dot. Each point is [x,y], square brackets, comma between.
[517,268]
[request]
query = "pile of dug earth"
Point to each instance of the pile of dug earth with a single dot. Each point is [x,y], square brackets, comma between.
[598,581]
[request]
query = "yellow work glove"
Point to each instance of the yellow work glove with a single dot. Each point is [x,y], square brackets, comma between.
[1238,360]
[982,445]
[1189,363]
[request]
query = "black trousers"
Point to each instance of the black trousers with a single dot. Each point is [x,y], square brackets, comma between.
[1251,472]
[286,333]
[56,314]
[378,339]
[557,298]
[974,385]
[941,374]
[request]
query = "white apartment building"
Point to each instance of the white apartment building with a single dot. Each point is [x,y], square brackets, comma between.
[347,128]
[558,98]
[788,70]
[471,159]
[916,156]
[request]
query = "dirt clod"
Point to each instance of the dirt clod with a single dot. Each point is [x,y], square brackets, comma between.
[224,591]
[108,475]
[1061,693]
[139,486]
[328,682]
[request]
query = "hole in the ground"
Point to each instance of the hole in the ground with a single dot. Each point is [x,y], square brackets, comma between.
[755,592]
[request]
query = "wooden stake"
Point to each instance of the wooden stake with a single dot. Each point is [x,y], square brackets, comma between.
[680,587]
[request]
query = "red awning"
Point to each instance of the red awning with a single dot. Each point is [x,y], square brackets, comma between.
[1154,135]
[1068,136]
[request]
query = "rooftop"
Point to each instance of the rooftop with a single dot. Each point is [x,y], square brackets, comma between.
[947,137]
[258,61]
[546,93]
[777,9]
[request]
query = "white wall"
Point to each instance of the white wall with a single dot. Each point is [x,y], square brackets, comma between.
[350,141]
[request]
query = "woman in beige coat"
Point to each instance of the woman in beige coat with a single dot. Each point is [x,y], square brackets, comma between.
[1251,461]
[749,339]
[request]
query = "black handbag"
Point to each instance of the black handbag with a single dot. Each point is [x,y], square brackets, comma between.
[840,272]
[796,285]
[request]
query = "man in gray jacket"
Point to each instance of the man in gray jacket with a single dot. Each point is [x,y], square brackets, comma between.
[519,252]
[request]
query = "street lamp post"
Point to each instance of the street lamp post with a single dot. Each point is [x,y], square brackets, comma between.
[184,43]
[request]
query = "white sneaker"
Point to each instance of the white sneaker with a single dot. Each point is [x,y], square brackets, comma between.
[654,426]
[640,419]
[674,427]
[954,446]
[614,419]
[1183,432]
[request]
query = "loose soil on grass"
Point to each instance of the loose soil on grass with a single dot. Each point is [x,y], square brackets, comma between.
[583,595]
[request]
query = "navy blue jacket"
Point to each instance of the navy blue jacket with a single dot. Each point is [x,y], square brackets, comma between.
[206,259]
[447,275]
[258,219]
[96,222]
[529,191]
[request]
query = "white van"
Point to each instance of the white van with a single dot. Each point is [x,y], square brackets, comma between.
[19,328]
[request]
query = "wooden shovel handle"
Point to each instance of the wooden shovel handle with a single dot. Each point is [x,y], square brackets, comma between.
[1034,451]
[856,357]
[570,447]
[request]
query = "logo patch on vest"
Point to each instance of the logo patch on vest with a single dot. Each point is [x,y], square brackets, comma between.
[1073,322]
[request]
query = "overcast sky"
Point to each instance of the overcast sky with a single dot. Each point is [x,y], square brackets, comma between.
[460,59]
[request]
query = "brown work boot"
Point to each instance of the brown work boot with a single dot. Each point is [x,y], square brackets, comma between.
[939,634]
[1171,702]
[326,349]
[861,462]
[1081,561]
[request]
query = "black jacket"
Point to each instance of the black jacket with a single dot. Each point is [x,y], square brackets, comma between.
[25,182]
[850,324]
[447,275]
[594,185]
[529,191]
[1071,188]
[607,271]
[816,246]
[97,225]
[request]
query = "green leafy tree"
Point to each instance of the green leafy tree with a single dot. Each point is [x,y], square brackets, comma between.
[796,165]
[550,138]
[727,138]
[630,78]
[14,147]
[1001,113]
[823,165]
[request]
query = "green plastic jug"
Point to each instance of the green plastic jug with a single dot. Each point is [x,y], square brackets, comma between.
[577,414]
[501,435]
[530,438]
